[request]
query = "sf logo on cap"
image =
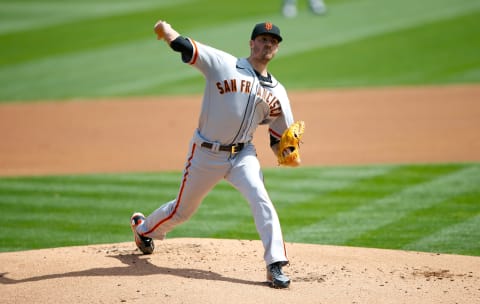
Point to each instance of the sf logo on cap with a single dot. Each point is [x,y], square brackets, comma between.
[268,26]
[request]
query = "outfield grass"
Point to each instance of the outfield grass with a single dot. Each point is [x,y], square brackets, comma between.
[64,50]
[415,207]
[103,48]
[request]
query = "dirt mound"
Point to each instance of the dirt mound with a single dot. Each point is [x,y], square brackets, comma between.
[232,271]
[363,126]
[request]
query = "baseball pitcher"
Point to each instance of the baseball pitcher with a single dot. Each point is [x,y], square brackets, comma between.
[240,94]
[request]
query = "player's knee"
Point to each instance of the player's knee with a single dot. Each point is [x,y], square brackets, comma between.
[182,216]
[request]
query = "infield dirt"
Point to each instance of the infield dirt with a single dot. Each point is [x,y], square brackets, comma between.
[343,127]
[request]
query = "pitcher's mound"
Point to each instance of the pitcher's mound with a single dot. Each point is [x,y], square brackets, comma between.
[232,271]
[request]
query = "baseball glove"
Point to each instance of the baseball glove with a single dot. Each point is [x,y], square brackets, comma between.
[288,150]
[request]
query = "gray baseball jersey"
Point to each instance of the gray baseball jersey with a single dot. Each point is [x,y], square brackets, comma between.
[235,102]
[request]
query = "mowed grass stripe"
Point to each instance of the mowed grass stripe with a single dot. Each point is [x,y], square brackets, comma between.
[70,210]
[61,234]
[303,219]
[362,211]
[422,225]
[460,238]
[293,187]
[68,204]
[131,178]
[84,31]
[64,225]
[357,20]
[119,27]
[307,210]
[417,52]
[27,16]
[87,189]
[415,49]
[286,179]
[375,212]
[64,222]
[92,181]
[120,49]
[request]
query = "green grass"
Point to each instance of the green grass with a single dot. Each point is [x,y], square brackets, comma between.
[431,208]
[64,50]
[70,49]
[440,52]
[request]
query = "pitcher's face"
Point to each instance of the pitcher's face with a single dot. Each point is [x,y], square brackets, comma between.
[264,47]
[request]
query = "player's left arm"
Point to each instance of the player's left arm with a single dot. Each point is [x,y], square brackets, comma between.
[285,136]
[276,129]
[274,141]
[282,122]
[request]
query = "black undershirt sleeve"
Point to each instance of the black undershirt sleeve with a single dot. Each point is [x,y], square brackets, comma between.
[273,140]
[183,46]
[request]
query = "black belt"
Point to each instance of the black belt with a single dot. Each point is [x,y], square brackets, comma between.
[235,148]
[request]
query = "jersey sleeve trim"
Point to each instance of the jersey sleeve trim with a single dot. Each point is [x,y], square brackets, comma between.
[274,134]
[195,52]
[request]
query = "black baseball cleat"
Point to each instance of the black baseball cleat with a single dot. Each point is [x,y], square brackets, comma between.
[276,276]
[145,244]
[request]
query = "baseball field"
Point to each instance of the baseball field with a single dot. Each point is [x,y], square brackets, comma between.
[96,115]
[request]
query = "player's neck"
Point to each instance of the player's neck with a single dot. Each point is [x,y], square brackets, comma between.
[259,67]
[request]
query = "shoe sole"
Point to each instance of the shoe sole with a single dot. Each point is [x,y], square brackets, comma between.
[277,284]
[280,285]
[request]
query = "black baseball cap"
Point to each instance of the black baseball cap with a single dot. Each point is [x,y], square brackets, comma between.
[266,28]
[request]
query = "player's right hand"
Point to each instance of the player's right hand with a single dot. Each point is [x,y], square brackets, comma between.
[160,29]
